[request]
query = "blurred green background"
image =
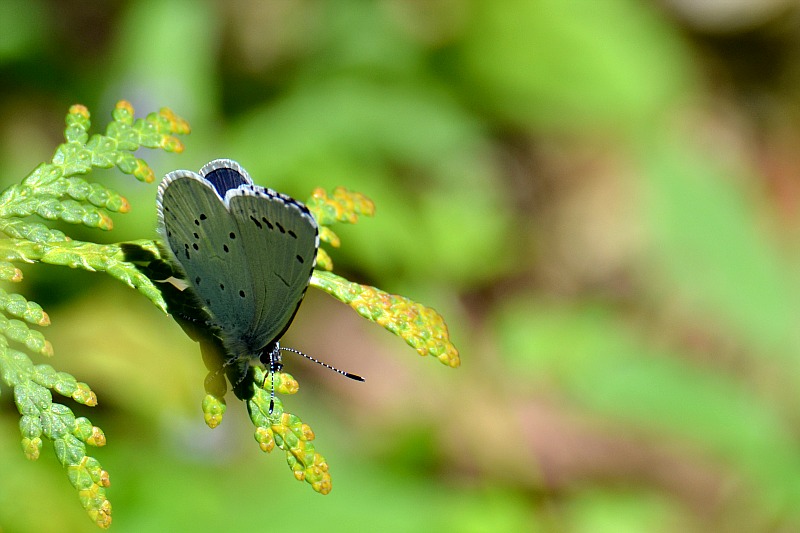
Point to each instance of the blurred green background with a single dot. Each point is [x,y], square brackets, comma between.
[602,199]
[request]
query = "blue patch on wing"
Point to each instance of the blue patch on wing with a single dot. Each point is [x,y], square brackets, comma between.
[225,179]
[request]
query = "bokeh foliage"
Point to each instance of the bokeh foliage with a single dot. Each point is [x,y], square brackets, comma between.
[600,197]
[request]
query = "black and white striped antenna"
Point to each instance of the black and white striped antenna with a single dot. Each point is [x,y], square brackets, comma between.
[275,365]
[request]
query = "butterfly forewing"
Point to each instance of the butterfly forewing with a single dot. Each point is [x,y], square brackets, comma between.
[280,241]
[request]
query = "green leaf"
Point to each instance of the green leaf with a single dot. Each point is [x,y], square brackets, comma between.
[54,191]
[421,327]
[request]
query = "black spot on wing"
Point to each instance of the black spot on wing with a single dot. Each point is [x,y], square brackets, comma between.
[300,259]
[256,222]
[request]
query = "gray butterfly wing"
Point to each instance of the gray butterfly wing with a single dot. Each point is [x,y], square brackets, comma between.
[280,239]
[248,257]
[204,238]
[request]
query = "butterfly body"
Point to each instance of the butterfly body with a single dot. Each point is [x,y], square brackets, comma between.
[246,254]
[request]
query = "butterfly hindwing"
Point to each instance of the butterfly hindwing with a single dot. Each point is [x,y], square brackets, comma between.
[198,230]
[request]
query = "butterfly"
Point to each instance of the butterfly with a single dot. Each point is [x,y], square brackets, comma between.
[246,255]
